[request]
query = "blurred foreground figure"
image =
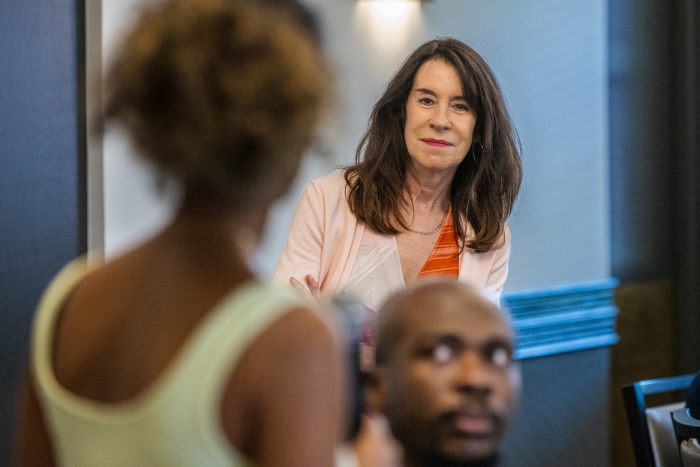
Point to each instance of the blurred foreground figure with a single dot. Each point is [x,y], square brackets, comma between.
[444,374]
[173,354]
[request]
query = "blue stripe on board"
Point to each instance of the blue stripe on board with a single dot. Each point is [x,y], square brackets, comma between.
[563,318]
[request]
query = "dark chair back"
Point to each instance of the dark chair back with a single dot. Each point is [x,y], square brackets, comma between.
[636,407]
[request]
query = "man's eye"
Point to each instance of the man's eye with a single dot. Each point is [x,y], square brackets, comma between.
[442,353]
[500,357]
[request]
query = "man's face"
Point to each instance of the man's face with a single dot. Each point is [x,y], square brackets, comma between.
[450,387]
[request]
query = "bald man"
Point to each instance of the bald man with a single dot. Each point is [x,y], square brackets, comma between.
[444,377]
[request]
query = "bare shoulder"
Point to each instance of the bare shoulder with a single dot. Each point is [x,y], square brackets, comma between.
[301,337]
[284,402]
[104,278]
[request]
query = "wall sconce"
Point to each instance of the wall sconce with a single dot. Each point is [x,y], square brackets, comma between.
[392,11]
[422,2]
[390,24]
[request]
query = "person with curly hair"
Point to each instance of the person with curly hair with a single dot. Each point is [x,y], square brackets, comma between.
[174,354]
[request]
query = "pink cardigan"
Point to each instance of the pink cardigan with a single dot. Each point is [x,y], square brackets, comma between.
[325,236]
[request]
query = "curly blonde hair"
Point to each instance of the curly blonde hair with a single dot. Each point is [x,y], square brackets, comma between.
[222,95]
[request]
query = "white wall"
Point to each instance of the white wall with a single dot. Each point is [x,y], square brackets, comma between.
[550,56]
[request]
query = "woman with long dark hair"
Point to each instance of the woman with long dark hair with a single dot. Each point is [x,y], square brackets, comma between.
[435,179]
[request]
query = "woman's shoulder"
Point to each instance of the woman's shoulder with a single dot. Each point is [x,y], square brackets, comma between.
[333,182]
[328,192]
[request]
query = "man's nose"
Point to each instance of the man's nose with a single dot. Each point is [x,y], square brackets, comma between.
[473,373]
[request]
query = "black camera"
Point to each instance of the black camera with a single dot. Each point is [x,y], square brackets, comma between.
[356,321]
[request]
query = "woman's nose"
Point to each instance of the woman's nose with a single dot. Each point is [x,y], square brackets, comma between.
[440,119]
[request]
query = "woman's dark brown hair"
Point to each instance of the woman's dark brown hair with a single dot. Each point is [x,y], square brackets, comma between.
[487,181]
[221,95]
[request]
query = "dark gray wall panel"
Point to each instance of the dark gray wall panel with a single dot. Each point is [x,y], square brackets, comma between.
[641,146]
[563,417]
[41,171]
[686,276]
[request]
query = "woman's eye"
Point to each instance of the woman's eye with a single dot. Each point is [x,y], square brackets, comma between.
[425,100]
[462,107]
[500,357]
[442,353]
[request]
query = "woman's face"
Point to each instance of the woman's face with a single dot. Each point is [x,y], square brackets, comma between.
[439,123]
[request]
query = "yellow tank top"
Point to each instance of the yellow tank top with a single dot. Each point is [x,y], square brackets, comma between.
[175,421]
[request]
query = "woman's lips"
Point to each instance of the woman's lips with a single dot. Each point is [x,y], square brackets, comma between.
[436,142]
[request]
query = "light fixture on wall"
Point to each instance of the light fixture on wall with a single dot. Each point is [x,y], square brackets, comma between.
[390,25]
[392,11]
[422,2]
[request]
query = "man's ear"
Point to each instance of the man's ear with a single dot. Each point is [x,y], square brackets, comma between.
[375,389]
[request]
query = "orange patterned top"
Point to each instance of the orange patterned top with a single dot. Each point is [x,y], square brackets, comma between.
[444,259]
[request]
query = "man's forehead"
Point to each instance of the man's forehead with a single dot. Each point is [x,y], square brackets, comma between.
[454,313]
[453,306]
[461,327]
